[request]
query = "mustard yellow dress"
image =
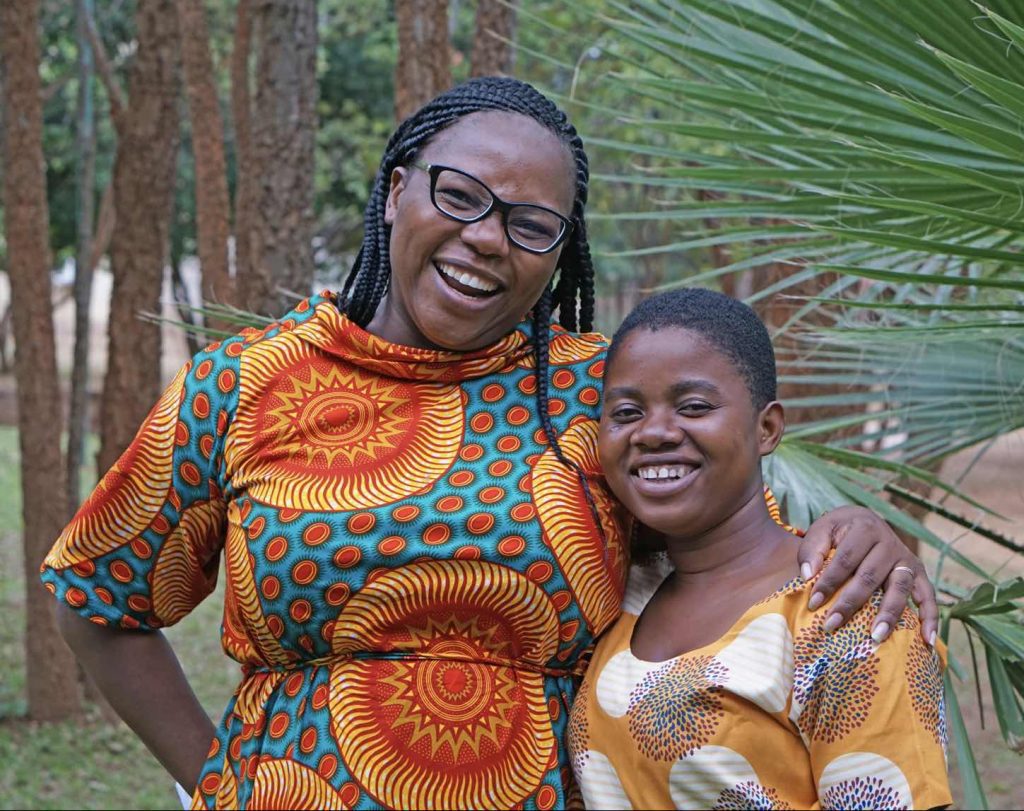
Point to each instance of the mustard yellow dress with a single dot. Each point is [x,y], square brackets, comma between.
[774,714]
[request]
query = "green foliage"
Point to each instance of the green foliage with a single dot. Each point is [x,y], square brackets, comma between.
[357,53]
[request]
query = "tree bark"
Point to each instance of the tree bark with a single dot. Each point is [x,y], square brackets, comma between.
[212,207]
[284,141]
[494,51]
[147,133]
[78,412]
[424,54]
[241,115]
[51,681]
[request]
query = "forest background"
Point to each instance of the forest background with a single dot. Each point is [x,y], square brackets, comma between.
[852,170]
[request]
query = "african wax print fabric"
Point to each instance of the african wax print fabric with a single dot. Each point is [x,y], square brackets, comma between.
[776,713]
[413,578]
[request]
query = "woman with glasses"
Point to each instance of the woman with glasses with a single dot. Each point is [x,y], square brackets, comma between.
[402,482]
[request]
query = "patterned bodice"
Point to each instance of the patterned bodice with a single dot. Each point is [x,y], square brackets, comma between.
[412,576]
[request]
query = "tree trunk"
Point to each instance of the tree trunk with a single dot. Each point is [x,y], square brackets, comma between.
[424,66]
[147,135]
[52,676]
[212,207]
[78,413]
[241,115]
[494,50]
[284,141]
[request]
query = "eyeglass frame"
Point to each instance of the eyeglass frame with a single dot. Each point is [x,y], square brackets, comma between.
[503,207]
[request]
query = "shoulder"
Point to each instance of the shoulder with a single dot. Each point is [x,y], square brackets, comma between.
[227,351]
[570,348]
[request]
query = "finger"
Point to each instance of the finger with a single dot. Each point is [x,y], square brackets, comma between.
[927,606]
[815,546]
[897,589]
[852,549]
[865,577]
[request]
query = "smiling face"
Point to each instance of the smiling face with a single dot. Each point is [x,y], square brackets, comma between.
[680,439]
[462,286]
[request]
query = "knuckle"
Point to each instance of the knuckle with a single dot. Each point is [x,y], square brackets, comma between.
[846,606]
[846,559]
[889,616]
[869,578]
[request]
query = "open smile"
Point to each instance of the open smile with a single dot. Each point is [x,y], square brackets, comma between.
[466,282]
[661,480]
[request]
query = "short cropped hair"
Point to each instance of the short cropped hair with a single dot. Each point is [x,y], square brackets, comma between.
[727,324]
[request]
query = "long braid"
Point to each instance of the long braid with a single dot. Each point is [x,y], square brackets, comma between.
[541,351]
[368,280]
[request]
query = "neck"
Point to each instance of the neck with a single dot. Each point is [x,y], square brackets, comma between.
[748,540]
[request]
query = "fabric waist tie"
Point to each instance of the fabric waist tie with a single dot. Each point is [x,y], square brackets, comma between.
[249,669]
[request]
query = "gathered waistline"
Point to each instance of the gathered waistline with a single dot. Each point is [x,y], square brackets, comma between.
[576,670]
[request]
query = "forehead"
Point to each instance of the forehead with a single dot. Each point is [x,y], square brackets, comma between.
[649,360]
[516,156]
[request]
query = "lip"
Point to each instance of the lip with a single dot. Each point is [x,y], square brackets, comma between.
[465,292]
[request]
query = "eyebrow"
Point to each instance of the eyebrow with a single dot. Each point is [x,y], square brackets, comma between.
[681,387]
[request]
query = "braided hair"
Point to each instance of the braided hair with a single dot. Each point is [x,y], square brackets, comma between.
[572,296]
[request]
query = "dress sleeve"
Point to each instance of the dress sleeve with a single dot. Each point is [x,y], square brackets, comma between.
[143,549]
[874,717]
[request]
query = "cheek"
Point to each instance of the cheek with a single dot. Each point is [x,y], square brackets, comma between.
[534,274]
[612,445]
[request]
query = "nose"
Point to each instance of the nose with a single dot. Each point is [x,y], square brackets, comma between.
[658,429]
[487,236]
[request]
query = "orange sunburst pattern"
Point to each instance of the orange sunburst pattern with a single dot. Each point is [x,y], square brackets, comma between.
[314,434]
[132,492]
[285,785]
[596,575]
[378,617]
[445,727]
[219,788]
[246,601]
[570,348]
[252,696]
[183,575]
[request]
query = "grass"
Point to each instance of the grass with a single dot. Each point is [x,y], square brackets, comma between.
[92,764]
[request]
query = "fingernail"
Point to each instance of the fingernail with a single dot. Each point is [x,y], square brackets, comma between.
[816,599]
[805,571]
[880,632]
[833,622]
[931,639]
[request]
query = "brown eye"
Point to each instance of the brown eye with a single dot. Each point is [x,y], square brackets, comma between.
[626,413]
[694,408]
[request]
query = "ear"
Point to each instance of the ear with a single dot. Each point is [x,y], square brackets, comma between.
[771,425]
[399,177]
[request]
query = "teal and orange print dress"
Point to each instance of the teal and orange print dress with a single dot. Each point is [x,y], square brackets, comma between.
[413,579]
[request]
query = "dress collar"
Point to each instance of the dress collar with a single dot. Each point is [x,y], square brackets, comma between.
[334,333]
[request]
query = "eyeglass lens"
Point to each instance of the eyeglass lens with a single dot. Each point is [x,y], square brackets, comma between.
[464,198]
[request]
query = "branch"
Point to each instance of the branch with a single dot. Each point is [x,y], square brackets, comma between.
[104,227]
[106,73]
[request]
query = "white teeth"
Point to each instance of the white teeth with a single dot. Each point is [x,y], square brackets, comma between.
[467,279]
[663,472]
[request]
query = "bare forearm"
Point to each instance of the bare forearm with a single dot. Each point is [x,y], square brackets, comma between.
[138,673]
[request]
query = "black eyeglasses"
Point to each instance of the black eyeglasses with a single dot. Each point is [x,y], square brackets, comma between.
[461,197]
